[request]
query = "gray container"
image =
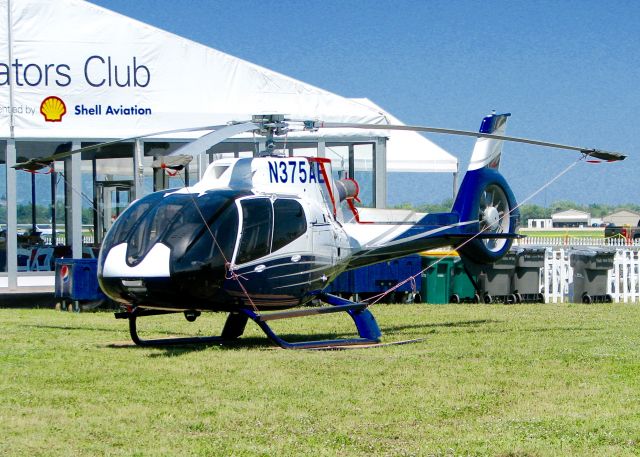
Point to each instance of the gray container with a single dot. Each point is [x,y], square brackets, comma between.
[590,272]
[529,263]
[496,281]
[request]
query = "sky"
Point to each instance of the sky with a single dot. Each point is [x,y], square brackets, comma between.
[567,71]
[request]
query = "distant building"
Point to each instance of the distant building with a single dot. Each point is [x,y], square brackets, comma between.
[623,217]
[571,218]
[540,223]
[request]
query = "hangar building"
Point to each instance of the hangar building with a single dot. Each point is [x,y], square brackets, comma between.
[623,217]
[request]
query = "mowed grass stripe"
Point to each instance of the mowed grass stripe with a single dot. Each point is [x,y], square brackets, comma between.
[487,380]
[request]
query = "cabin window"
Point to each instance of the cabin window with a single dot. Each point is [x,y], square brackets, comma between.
[257,221]
[267,228]
[290,222]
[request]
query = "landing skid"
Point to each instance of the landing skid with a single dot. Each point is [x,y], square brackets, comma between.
[233,328]
[366,325]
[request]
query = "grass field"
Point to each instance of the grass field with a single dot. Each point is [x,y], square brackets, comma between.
[499,380]
[578,233]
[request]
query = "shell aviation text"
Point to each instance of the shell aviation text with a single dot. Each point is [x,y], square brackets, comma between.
[109,110]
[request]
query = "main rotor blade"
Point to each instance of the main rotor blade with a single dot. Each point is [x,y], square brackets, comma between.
[41,162]
[211,139]
[596,153]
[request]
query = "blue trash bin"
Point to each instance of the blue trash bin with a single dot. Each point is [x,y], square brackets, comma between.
[372,280]
[77,285]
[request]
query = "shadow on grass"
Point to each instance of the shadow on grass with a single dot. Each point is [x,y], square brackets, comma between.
[399,328]
[547,329]
[172,350]
[478,322]
[177,349]
[64,327]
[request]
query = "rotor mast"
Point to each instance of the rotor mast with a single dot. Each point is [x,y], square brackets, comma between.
[270,125]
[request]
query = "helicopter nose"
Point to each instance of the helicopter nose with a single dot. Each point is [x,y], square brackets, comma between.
[156,263]
[151,282]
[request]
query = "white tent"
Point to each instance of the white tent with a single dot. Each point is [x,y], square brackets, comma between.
[411,151]
[71,69]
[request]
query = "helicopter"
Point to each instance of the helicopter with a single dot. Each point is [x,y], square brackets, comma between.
[256,237]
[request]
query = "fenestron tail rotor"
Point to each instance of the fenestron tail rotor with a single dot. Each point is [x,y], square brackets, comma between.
[493,215]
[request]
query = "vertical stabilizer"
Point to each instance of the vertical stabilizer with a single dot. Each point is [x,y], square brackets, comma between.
[487,151]
[485,199]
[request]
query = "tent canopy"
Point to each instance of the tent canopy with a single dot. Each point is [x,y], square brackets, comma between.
[411,151]
[71,69]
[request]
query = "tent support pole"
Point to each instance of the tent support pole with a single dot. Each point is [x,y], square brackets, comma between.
[75,182]
[12,121]
[380,172]
[12,216]
[455,184]
[138,169]
[351,173]
[203,163]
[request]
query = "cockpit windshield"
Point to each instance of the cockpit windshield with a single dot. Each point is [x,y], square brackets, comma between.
[197,227]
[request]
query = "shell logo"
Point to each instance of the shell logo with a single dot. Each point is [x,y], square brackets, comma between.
[53,108]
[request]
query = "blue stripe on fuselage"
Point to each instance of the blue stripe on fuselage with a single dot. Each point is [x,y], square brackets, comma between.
[282,278]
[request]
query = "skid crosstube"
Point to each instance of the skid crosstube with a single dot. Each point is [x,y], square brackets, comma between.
[366,325]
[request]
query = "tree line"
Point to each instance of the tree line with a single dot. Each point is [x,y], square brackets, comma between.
[43,214]
[532,211]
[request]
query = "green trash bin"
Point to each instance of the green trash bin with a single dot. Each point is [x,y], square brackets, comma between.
[436,279]
[462,288]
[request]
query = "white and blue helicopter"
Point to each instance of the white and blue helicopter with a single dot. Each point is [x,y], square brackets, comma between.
[257,236]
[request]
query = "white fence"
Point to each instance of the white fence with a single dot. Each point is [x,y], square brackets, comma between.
[623,280]
[575,241]
[556,275]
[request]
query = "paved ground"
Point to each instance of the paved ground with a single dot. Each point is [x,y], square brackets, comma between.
[27,300]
